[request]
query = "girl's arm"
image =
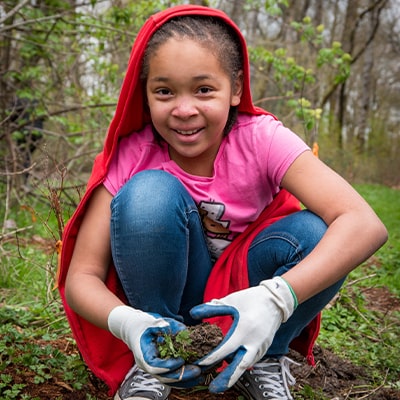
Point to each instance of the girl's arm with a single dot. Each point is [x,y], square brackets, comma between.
[354,230]
[85,290]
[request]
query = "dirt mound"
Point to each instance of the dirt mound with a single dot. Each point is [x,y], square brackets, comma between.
[339,379]
[332,377]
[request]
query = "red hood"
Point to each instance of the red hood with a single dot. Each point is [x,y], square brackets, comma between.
[131,97]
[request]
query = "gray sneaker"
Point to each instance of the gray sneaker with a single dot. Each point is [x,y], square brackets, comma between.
[139,385]
[269,379]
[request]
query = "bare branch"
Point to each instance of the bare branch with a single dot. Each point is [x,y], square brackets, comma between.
[80,107]
[13,11]
[23,171]
[14,232]
[31,21]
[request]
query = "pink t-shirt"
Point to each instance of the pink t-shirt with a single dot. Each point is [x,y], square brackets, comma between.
[248,169]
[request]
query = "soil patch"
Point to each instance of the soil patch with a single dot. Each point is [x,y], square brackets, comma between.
[339,379]
[381,299]
[335,378]
[332,377]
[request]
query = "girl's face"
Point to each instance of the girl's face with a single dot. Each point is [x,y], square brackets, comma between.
[189,96]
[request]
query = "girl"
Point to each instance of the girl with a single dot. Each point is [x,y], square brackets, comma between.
[191,214]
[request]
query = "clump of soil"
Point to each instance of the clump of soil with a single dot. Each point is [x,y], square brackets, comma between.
[191,344]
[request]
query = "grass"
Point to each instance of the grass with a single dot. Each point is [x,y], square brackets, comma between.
[39,357]
[386,203]
[31,315]
[350,329]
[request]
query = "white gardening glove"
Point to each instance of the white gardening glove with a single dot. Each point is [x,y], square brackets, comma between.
[140,331]
[257,314]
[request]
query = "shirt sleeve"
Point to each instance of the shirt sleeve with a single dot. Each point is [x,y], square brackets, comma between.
[278,148]
[122,163]
[135,153]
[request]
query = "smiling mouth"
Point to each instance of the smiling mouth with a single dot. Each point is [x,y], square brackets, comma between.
[188,133]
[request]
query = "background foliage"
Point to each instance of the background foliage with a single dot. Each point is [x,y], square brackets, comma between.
[328,69]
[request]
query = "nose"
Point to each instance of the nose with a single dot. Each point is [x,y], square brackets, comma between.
[184,108]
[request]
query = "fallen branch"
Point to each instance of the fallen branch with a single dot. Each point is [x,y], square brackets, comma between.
[369,393]
[14,232]
[363,278]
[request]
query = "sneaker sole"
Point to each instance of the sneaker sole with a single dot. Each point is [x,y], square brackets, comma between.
[243,391]
[116,397]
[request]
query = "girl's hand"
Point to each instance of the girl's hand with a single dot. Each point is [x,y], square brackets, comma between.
[257,314]
[140,330]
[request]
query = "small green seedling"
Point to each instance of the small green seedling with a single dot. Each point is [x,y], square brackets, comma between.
[177,346]
[190,344]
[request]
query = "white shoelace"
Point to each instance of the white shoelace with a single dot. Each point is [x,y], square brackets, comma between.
[143,382]
[277,378]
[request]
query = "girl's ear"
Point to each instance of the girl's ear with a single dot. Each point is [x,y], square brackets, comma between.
[237,89]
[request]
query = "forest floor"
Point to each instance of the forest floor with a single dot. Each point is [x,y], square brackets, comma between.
[332,378]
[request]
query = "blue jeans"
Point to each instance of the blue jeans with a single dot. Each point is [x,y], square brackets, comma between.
[162,260]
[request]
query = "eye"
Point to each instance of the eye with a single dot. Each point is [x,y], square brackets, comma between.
[204,90]
[163,92]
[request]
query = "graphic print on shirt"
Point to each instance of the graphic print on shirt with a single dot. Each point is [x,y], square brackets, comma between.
[216,230]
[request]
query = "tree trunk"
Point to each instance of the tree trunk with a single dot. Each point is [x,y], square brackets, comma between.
[365,95]
[348,37]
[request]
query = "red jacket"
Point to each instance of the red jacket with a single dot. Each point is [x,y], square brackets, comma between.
[108,357]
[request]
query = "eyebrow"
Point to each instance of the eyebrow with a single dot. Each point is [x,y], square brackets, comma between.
[197,78]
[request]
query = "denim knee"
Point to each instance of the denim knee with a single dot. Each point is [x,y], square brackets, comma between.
[158,245]
[311,226]
[151,196]
[284,244]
